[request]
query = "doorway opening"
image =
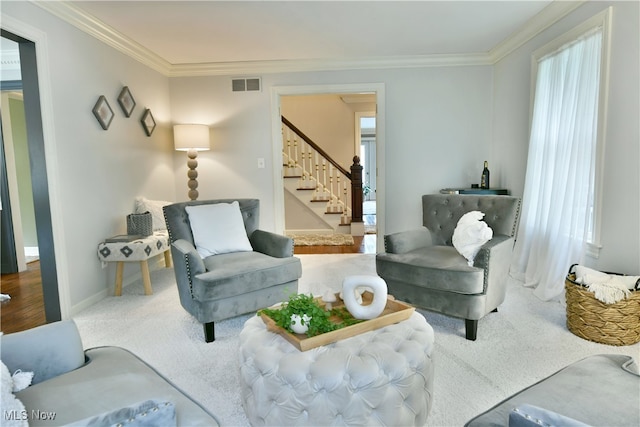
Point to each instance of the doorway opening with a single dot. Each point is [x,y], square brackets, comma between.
[349,94]
[27,80]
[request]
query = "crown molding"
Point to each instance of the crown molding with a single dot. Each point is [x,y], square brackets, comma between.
[548,16]
[309,65]
[68,12]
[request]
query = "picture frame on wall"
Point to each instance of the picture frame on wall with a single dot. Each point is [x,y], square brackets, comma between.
[126,101]
[148,123]
[103,112]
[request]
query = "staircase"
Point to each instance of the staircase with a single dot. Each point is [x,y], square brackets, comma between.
[320,183]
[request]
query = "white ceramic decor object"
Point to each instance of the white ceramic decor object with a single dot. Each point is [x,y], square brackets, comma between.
[300,324]
[376,285]
[329,298]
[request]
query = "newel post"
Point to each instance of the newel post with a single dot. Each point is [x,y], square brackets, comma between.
[356,190]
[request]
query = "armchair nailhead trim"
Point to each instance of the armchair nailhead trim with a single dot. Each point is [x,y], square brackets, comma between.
[515,223]
[188,266]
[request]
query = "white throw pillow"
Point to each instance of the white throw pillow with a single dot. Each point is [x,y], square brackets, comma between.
[470,234]
[155,207]
[11,408]
[218,229]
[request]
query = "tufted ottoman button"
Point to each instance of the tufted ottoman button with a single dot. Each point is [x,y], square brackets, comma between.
[368,379]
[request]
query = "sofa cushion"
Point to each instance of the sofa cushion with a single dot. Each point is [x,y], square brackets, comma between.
[433,267]
[149,413]
[237,273]
[112,379]
[218,229]
[601,390]
[63,344]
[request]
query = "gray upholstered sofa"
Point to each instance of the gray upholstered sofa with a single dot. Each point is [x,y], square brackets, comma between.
[228,284]
[601,390]
[97,387]
[422,267]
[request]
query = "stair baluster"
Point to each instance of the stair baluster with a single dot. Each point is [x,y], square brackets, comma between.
[303,159]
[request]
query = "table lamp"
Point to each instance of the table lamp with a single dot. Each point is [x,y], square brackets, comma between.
[191,138]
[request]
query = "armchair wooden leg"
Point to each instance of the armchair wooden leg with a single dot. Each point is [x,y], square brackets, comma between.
[471,327]
[209,335]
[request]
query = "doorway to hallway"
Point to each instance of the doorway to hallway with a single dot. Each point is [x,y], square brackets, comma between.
[348,92]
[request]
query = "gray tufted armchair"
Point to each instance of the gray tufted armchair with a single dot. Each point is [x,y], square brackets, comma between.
[423,268]
[226,285]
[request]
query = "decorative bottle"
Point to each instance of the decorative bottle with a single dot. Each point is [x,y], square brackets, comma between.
[484,180]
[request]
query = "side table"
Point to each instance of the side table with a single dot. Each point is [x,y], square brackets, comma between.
[136,250]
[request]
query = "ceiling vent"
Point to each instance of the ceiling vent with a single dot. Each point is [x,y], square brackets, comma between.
[252,84]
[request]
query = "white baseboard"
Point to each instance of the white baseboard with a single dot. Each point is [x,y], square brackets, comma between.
[135,277]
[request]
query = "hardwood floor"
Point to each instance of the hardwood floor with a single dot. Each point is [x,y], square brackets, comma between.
[25,309]
[362,244]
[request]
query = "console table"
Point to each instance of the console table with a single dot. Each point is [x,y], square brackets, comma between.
[494,191]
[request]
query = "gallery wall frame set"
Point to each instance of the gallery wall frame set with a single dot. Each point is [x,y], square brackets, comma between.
[126,101]
[148,123]
[104,114]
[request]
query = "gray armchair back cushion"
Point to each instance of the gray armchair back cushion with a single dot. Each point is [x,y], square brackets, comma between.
[441,213]
[179,226]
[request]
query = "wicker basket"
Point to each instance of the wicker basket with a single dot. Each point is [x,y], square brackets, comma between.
[591,319]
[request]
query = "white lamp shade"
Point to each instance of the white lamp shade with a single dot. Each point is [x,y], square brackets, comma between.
[191,137]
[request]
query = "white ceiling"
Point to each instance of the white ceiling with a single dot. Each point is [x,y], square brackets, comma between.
[187,32]
[172,35]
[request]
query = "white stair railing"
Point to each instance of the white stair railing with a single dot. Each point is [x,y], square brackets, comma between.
[316,172]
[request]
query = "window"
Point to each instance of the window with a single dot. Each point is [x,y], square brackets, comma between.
[560,212]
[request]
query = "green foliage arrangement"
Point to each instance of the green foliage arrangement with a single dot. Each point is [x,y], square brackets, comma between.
[320,322]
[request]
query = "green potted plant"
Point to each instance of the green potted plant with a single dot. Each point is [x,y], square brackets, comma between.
[303,314]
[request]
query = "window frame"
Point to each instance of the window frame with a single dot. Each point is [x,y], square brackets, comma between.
[604,21]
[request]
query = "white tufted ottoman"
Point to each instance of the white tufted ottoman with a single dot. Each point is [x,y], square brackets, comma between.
[382,377]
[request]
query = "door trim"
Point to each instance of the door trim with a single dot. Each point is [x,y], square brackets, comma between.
[277,92]
[58,249]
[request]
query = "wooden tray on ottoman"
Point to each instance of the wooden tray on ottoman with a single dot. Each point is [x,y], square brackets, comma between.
[394,312]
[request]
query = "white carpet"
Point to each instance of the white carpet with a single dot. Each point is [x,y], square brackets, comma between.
[524,342]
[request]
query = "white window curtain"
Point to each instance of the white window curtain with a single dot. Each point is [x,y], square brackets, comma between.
[559,183]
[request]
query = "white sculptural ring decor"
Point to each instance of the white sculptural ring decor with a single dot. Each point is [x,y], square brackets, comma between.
[376,285]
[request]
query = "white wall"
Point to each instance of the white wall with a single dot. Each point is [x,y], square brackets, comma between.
[620,216]
[94,175]
[438,133]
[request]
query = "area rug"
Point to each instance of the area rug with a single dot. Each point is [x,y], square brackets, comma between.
[321,239]
[524,342]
